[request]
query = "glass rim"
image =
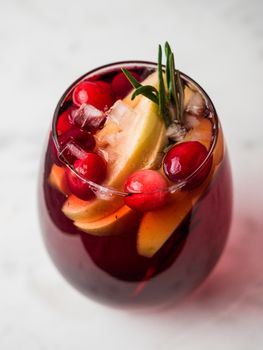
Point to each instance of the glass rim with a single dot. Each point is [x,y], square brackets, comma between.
[111,190]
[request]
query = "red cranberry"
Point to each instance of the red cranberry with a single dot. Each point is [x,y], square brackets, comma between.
[107,88]
[83,140]
[90,92]
[121,85]
[63,123]
[147,190]
[92,168]
[183,159]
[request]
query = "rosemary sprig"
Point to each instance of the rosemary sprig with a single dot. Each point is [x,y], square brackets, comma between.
[162,99]
[174,84]
[172,88]
[180,90]
[167,70]
[171,102]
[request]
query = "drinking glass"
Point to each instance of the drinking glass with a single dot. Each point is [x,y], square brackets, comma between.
[109,266]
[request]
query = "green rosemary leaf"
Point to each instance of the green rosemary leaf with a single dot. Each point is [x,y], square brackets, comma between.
[171,70]
[174,96]
[147,91]
[167,71]
[167,48]
[180,94]
[164,111]
[131,78]
[161,83]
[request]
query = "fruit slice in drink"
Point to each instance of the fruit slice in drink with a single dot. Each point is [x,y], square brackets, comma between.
[113,224]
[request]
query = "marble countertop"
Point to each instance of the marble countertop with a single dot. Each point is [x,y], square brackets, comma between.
[45,45]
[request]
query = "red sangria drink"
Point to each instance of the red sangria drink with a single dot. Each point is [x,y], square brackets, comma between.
[135,190]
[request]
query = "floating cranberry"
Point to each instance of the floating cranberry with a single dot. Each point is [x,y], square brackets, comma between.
[121,85]
[183,159]
[82,140]
[90,92]
[64,122]
[92,168]
[147,190]
[107,88]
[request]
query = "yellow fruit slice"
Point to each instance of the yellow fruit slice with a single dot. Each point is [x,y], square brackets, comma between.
[141,134]
[77,209]
[57,178]
[157,226]
[154,161]
[112,224]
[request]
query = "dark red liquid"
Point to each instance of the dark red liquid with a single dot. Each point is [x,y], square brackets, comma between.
[110,270]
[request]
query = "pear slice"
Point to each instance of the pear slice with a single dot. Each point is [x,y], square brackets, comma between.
[92,210]
[57,179]
[157,226]
[112,224]
[140,136]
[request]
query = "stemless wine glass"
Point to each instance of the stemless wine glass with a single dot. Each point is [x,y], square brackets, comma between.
[107,261]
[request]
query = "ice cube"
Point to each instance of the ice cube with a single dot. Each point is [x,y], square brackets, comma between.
[88,117]
[195,104]
[71,152]
[191,121]
[118,111]
[176,132]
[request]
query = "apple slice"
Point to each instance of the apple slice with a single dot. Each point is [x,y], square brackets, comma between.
[112,224]
[57,179]
[157,226]
[78,209]
[141,135]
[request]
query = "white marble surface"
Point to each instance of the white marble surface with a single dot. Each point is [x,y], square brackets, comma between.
[44,46]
